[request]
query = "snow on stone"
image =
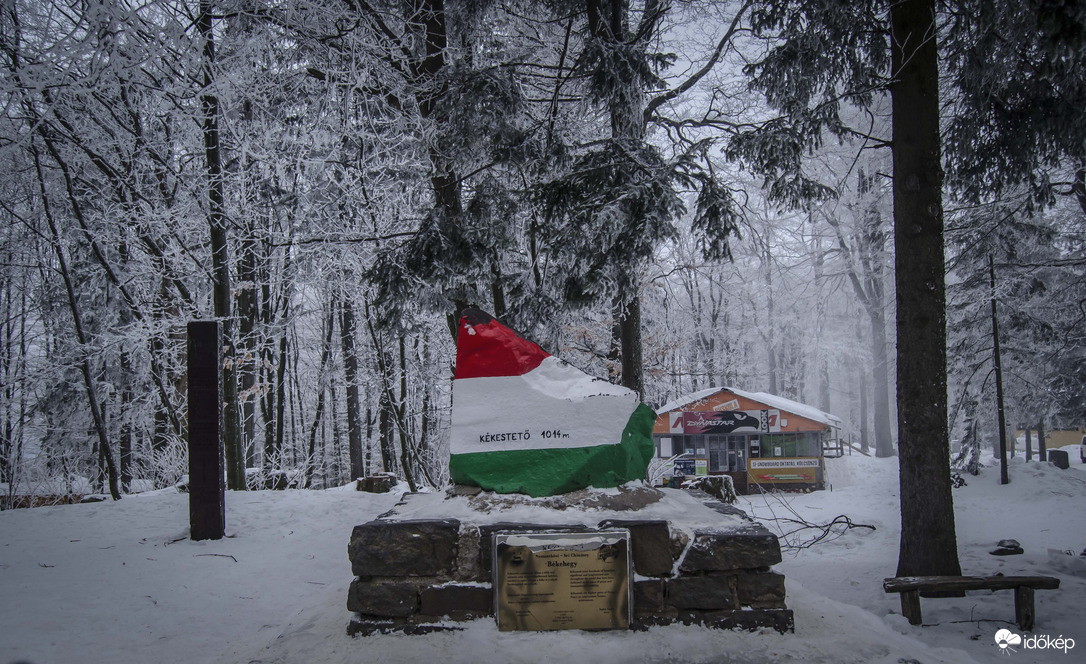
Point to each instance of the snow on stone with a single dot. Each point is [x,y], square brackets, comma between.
[675,506]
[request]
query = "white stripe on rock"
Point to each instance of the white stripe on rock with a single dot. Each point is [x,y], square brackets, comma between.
[553,406]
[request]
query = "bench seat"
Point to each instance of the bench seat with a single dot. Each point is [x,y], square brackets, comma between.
[910,588]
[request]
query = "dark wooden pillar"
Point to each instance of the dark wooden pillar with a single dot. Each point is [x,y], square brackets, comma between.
[207,504]
[1023,608]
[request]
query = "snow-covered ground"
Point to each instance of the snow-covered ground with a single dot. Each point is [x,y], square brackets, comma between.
[1043,508]
[119,582]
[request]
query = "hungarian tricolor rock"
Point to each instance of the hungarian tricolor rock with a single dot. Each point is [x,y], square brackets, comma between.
[526,422]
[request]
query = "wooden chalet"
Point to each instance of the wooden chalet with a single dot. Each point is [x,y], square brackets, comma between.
[761,440]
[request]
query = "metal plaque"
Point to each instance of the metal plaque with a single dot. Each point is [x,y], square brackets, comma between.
[549,581]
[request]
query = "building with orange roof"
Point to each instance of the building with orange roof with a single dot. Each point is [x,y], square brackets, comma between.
[761,440]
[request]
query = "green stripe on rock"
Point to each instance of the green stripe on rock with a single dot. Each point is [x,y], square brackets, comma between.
[549,472]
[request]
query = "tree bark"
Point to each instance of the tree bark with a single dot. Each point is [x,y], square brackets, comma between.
[607,21]
[247,324]
[276,452]
[326,354]
[928,539]
[126,443]
[866,275]
[220,255]
[384,433]
[350,370]
[633,375]
[1004,478]
[865,443]
[400,409]
[105,455]
[771,321]
[880,379]
[818,258]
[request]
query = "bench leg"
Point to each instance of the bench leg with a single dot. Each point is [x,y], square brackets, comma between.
[910,606]
[1023,608]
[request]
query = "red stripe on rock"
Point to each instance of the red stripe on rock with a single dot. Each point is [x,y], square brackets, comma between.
[485,348]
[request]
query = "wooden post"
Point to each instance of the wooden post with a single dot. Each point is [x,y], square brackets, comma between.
[910,606]
[1023,608]
[207,505]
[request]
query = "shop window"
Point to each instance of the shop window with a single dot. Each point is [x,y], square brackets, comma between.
[792,444]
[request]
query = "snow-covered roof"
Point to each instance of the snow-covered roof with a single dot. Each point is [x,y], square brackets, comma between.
[688,399]
[794,407]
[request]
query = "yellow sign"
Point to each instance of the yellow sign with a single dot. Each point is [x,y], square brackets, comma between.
[549,581]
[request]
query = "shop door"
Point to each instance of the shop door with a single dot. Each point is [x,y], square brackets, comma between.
[718,453]
[736,446]
[726,453]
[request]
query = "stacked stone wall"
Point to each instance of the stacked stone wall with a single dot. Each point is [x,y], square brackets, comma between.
[423,575]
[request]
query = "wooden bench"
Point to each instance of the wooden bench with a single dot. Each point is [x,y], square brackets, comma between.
[910,588]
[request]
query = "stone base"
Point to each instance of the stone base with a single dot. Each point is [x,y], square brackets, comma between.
[713,569]
[364,627]
[781,620]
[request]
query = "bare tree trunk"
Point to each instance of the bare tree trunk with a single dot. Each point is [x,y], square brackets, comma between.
[865,272]
[9,378]
[1004,478]
[350,370]
[126,440]
[880,378]
[326,354]
[275,454]
[105,455]
[770,335]
[371,420]
[633,375]
[400,408]
[608,21]
[614,350]
[337,436]
[818,259]
[865,442]
[249,356]
[928,540]
[384,433]
[220,255]
[395,407]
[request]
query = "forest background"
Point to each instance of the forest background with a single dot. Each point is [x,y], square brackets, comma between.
[669,194]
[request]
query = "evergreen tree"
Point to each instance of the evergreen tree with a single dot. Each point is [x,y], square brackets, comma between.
[834,55]
[1017,69]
